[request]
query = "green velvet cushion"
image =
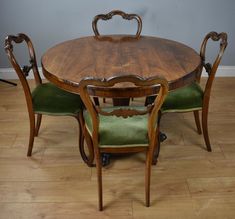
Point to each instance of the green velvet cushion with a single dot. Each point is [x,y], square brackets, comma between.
[119,132]
[186,98]
[49,99]
[183,99]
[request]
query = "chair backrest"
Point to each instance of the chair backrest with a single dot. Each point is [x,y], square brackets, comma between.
[117,12]
[212,68]
[116,87]
[23,72]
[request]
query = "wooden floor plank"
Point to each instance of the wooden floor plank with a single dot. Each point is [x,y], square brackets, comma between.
[82,210]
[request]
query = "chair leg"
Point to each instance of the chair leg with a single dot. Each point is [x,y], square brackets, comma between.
[156,150]
[81,140]
[31,135]
[38,123]
[82,136]
[157,145]
[148,177]
[197,121]
[90,158]
[99,179]
[205,128]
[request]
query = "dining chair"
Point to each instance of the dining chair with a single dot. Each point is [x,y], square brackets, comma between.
[193,98]
[122,129]
[45,98]
[109,16]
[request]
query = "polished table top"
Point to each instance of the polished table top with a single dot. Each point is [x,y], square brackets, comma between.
[67,63]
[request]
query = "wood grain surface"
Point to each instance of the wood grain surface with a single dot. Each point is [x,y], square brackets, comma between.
[105,56]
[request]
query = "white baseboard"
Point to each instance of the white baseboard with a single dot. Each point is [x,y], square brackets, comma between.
[9,73]
[223,71]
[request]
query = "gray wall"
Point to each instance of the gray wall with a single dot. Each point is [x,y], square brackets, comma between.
[48,22]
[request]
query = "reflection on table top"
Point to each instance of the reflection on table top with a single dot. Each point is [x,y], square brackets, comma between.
[105,56]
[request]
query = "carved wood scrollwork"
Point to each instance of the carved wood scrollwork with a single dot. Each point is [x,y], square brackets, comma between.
[122,112]
[122,14]
[207,67]
[216,37]
[9,48]
[223,44]
[26,68]
[22,71]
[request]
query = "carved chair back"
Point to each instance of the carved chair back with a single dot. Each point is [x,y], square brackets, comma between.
[212,68]
[23,72]
[115,88]
[123,15]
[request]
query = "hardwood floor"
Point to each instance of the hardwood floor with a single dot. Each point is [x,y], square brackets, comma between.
[188,181]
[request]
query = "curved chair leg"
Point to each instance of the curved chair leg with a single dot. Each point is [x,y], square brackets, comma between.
[38,124]
[89,160]
[31,135]
[197,121]
[205,128]
[161,137]
[99,179]
[81,141]
[156,151]
[147,179]
[81,136]
[157,146]
[149,161]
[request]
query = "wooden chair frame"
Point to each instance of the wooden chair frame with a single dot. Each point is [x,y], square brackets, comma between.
[109,16]
[211,71]
[90,87]
[123,15]
[22,74]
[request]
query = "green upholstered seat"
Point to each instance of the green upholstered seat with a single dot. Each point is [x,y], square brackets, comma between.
[183,99]
[120,132]
[49,99]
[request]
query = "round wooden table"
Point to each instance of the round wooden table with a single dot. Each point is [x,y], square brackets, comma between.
[105,56]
